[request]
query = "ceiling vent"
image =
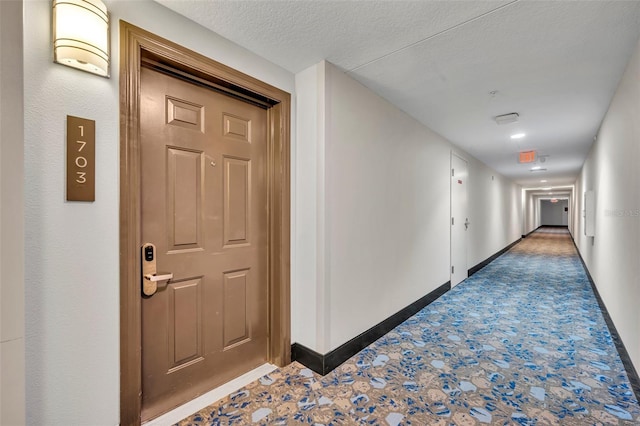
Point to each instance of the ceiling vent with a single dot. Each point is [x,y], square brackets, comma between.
[507,118]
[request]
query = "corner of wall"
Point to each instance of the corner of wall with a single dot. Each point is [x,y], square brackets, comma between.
[323,290]
[309,288]
[12,318]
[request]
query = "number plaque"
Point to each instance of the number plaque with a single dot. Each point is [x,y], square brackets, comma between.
[81,162]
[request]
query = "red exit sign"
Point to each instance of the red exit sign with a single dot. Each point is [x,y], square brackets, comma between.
[527,157]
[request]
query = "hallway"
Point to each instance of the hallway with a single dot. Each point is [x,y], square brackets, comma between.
[381,95]
[523,341]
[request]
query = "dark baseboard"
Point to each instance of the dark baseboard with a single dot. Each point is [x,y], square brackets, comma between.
[307,357]
[323,364]
[531,232]
[545,226]
[487,261]
[632,374]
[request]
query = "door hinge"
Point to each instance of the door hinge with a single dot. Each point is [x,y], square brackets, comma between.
[453,172]
[452,269]
[451,221]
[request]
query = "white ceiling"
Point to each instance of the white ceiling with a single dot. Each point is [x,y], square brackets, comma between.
[556,63]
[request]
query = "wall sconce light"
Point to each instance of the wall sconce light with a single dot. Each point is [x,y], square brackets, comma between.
[81,35]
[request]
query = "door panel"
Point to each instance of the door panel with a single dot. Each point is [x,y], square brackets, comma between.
[185,320]
[236,127]
[459,219]
[203,205]
[235,307]
[184,114]
[237,190]
[184,171]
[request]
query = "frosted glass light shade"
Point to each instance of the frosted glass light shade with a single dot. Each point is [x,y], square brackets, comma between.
[81,35]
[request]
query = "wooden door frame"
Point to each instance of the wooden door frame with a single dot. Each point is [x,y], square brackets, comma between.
[136,44]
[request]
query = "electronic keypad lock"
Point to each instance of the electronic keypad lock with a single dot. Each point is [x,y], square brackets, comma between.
[150,277]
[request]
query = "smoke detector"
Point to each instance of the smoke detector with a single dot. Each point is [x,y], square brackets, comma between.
[506,118]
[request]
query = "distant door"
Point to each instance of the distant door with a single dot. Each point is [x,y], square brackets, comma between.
[204,207]
[459,219]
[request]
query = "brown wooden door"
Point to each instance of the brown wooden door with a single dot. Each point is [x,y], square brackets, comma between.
[204,206]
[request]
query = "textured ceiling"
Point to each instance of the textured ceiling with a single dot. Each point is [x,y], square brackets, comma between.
[556,63]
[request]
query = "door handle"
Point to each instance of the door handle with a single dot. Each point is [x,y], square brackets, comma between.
[466,223]
[162,277]
[150,277]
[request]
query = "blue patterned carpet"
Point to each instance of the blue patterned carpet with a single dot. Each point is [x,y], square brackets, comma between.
[521,342]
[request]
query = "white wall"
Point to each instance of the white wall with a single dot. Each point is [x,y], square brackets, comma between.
[495,212]
[553,213]
[612,172]
[12,370]
[386,218]
[577,222]
[72,282]
[387,192]
[307,300]
[531,220]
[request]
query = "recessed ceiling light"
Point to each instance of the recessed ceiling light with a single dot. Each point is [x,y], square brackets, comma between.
[536,168]
[543,180]
[518,136]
